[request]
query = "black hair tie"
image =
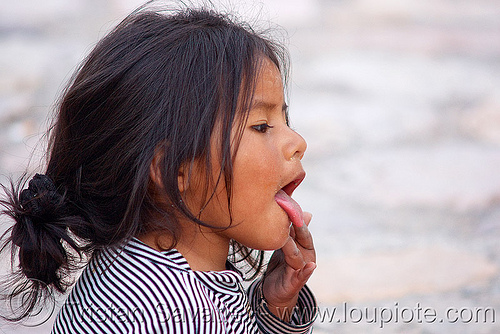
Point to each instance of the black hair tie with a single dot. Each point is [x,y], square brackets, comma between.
[41,196]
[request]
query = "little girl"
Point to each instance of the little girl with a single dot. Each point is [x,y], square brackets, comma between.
[171,160]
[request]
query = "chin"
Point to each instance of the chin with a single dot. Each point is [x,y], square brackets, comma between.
[274,241]
[267,232]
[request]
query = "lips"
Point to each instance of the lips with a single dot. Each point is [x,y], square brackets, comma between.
[288,204]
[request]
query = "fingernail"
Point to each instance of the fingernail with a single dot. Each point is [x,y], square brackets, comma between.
[313,267]
[309,271]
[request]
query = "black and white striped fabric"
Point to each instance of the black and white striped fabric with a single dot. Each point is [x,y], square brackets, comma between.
[141,290]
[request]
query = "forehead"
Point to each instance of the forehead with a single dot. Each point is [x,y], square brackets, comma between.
[269,76]
[268,85]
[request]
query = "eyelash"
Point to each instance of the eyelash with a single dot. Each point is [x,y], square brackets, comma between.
[262,128]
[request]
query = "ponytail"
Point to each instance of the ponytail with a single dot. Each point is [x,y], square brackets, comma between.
[40,241]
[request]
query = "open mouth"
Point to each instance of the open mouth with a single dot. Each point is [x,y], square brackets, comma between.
[290,187]
[288,204]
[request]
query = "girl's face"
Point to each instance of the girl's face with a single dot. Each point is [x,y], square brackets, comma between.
[268,159]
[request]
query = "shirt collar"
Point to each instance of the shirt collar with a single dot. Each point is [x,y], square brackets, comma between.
[229,278]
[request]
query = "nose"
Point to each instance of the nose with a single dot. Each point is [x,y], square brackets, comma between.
[295,146]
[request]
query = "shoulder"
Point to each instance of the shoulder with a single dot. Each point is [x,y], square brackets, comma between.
[135,289]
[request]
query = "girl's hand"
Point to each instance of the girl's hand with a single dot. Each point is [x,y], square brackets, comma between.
[288,271]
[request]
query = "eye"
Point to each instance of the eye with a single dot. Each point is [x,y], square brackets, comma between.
[262,128]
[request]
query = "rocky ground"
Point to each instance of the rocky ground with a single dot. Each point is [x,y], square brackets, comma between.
[399,102]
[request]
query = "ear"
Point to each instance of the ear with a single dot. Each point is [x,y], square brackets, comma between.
[182,178]
[155,170]
[155,173]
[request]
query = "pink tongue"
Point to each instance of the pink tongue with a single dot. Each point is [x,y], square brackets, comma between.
[292,208]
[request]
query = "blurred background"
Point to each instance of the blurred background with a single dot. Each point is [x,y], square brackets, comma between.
[399,101]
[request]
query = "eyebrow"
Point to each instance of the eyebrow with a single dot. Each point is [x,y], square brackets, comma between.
[268,106]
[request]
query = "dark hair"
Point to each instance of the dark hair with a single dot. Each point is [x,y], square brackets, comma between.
[156,81]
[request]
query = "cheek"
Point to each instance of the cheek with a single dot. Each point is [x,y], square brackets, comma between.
[257,173]
[254,187]
[262,222]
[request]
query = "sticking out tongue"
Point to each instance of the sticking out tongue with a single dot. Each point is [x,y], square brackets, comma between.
[292,208]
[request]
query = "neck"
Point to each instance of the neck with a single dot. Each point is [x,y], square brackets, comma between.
[203,249]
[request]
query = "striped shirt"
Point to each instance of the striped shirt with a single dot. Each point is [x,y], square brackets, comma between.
[141,290]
